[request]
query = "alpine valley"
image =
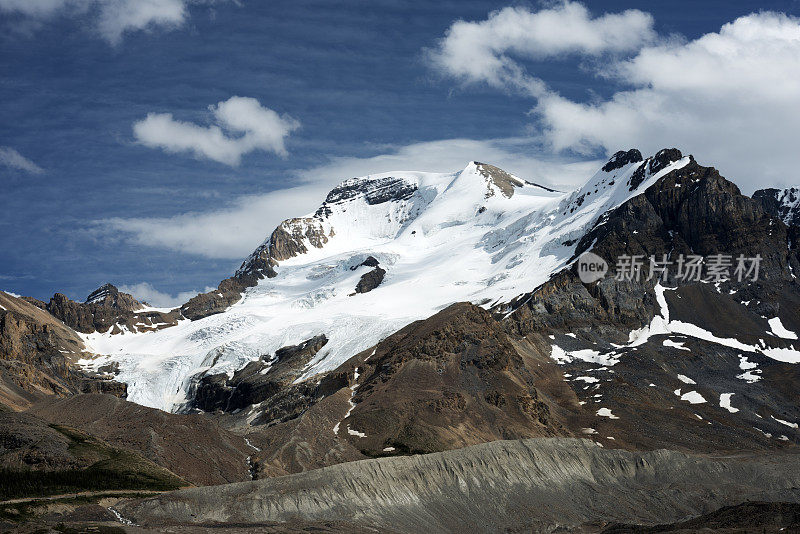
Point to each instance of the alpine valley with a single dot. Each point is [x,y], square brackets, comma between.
[420,354]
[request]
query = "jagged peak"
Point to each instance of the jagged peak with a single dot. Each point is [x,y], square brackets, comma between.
[622,158]
[109,295]
[101,293]
[654,164]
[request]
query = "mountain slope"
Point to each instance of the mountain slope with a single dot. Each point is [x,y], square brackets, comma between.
[192,446]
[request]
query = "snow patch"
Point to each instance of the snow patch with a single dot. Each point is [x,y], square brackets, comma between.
[787,423]
[693,397]
[779,330]
[561,356]
[675,345]
[725,402]
[605,412]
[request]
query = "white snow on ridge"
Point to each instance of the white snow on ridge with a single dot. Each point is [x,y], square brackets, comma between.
[786,423]
[661,325]
[779,330]
[446,242]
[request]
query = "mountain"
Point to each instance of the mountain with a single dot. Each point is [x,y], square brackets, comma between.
[420,313]
[478,235]
[345,318]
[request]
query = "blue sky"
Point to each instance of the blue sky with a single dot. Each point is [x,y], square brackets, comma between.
[92,203]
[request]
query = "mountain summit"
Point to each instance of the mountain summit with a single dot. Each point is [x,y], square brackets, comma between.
[480,235]
[415,313]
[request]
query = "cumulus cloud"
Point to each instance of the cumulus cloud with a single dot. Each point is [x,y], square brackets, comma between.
[110,18]
[730,97]
[489,51]
[13,159]
[235,230]
[144,292]
[242,126]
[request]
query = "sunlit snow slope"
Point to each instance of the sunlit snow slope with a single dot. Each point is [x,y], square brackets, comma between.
[478,235]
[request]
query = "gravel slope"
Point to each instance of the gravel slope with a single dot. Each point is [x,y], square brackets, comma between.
[534,484]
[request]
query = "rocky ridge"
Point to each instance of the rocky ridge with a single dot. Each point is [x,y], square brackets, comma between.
[37,357]
[107,310]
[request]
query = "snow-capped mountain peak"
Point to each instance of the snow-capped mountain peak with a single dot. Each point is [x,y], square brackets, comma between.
[381,252]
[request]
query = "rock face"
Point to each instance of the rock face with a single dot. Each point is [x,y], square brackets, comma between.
[541,484]
[256,382]
[453,380]
[504,181]
[192,446]
[635,385]
[371,279]
[374,191]
[781,203]
[37,356]
[622,158]
[450,381]
[693,210]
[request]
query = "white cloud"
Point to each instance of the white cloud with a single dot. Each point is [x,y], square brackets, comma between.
[516,155]
[485,51]
[11,158]
[243,126]
[144,292]
[231,232]
[234,231]
[110,18]
[731,98]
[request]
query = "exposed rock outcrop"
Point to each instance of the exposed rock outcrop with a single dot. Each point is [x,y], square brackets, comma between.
[496,176]
[258,381]
[372,279]
[450,381]
[453,380]
[622,158]
[781,203]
